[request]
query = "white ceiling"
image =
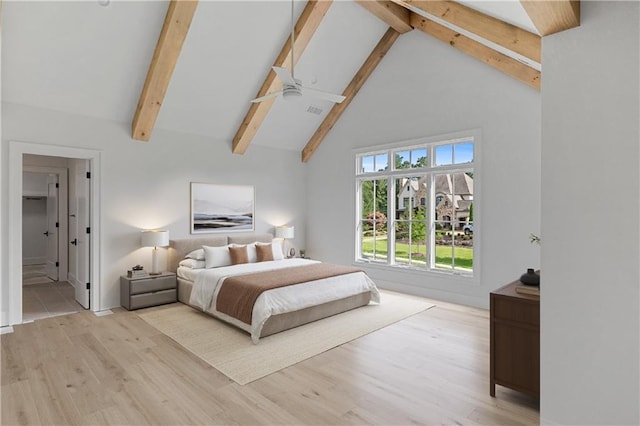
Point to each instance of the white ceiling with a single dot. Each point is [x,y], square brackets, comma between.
[85,58]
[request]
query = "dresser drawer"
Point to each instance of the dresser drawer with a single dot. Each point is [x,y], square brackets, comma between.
[521,311]
[153,299]
[148,285]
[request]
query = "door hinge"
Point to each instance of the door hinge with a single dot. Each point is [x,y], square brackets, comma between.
[57,264]
[88,286]
[88,175]
[57,185]
[57,224]
[88,230]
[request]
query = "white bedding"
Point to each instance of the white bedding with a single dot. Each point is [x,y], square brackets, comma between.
[188,274]
[281,300]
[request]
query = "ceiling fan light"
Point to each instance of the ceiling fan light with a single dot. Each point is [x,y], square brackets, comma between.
[291,92]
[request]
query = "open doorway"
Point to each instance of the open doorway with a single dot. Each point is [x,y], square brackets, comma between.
[77,259]
[54,264]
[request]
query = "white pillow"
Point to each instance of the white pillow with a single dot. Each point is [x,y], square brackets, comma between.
[214,257]
[196,254]
[276,246]
[192,263]
[251,251]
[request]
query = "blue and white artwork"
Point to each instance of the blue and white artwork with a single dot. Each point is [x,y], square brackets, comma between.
[221,208]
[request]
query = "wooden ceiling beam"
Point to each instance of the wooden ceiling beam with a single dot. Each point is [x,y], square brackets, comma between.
[504,63]
[551,17]
[393,14]
[350,92]
[174,31]
[306,26]
[489,28]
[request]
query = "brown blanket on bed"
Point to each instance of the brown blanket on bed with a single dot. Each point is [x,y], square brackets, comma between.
[238,294]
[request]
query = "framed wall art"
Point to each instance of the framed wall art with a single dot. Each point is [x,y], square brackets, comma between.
[221,208]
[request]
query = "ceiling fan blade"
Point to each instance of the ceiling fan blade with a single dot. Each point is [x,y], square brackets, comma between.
[284,76]
[265,97]
[323,95]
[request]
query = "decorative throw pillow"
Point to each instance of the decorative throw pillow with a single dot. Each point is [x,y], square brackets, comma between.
[196,254]
[215,257]
[238,255]
[251,251]
[264,252]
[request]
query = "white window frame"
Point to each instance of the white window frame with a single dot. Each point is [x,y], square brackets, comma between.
[430,171]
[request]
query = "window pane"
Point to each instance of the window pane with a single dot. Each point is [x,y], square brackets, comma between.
[382,162]
[444,246]
[409,192]
[402,160]
[444,155]
[463,260]
[367,191]
[373,224]
[463,152]
[419,157]
[367,164]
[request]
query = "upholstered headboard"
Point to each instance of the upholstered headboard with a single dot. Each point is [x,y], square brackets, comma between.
[179,248]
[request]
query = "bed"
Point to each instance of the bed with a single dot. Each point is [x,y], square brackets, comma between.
[276,309]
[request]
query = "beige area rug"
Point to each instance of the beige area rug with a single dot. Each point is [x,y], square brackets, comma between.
[230,350]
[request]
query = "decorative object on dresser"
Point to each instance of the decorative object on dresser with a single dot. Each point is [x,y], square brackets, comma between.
[303,253]
[515,340]
[221,208]
[155,238]
[286,232]
[142,292]
[531,277]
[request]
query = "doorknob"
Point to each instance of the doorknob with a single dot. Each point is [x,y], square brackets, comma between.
[46,233]
[74,242]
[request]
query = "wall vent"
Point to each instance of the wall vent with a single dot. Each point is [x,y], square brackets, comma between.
[314,110]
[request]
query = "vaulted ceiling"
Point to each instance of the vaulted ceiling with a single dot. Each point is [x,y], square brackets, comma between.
[194,66]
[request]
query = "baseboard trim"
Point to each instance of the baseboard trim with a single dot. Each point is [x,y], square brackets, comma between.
[6,330]
[28,261]
[103,313]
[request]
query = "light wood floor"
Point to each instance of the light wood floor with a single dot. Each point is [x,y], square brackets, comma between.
[432,368]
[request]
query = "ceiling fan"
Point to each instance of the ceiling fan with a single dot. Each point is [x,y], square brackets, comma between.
[291,86]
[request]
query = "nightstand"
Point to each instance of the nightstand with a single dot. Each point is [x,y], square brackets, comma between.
[152,290]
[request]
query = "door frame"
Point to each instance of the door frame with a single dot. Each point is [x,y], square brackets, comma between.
[63,200]
[17,150]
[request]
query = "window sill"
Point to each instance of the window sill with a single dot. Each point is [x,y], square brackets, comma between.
[465,278]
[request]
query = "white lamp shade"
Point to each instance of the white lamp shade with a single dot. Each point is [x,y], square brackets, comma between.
[284,232]
[155,238]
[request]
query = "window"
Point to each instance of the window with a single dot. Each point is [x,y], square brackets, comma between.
[415,206]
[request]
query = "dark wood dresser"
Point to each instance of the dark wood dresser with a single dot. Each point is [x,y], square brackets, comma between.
[515,340]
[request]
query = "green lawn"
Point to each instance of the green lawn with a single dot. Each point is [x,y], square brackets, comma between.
[463,255]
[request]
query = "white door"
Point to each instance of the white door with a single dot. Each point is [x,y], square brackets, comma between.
[52,228]
[82,235]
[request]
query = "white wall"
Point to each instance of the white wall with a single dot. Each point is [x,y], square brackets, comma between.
[590,159]
[425,88]
[146,185]
[34,184]
[34,224]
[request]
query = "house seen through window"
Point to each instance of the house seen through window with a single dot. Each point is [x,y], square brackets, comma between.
[415,206]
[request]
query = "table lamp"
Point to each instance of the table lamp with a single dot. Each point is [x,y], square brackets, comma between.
[155,239]
[285,232]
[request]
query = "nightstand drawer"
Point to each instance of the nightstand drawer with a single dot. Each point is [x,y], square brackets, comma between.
[153,299]
[514,310]
[148,285]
